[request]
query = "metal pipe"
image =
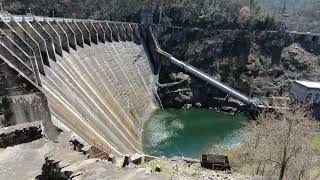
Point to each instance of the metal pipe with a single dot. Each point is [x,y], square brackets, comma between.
[224,88]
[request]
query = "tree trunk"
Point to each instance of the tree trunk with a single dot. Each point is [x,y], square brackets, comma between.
[283,164]
[301,174]
[284,156]
[258,168]
[282,170]
[263,169]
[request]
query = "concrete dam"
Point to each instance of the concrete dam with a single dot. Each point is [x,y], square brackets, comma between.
[97,79]
[94,77]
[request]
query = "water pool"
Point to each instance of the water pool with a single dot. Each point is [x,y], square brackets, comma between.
[188,133]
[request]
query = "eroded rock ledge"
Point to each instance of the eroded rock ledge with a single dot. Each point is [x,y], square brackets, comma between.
[18,134]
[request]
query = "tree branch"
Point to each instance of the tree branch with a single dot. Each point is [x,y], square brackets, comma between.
[273,161]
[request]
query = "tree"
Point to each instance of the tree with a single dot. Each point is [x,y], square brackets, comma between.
[244,15]
[277,142]
[283,8]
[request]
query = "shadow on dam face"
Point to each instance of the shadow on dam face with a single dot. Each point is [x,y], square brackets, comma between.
[94,77]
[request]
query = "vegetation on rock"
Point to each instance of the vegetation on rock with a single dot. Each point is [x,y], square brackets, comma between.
[297,14]
[280,143]
[261,64]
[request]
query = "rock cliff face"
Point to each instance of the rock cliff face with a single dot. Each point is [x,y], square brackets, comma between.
[256,63]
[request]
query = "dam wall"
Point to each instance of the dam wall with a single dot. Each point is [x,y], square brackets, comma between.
[20,101]
[95,77]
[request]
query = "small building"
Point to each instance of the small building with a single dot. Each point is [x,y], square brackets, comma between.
[307,92]
[215,162]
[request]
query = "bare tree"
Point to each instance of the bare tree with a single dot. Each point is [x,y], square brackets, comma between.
[276,143]
[244,15]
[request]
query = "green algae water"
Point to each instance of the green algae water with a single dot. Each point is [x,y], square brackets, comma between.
[190,132]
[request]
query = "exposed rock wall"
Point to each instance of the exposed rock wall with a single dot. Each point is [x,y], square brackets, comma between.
[18,134]
[255,63]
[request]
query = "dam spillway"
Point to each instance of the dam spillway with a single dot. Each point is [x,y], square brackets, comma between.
[95,75]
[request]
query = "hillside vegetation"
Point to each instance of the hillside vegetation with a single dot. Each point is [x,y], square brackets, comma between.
[228,14]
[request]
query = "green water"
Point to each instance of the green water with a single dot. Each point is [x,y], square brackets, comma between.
[188,133]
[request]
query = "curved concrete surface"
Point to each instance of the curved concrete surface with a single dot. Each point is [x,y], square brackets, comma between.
[95,75]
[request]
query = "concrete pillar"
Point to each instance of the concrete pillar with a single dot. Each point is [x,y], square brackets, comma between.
[63,35]
[115,32]
[129,31]
[100,30]
[70,33]
[47,38]
[55,36]
[10,33]
[122,31]
[15,82]
[136,32]
[26,29]
[85,32]
[92,30]
[14,37]
[31,43]
[9,57]
[78,33]
[107,30]
[20,55]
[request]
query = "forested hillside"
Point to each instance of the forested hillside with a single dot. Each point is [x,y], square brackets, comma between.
[300,15]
